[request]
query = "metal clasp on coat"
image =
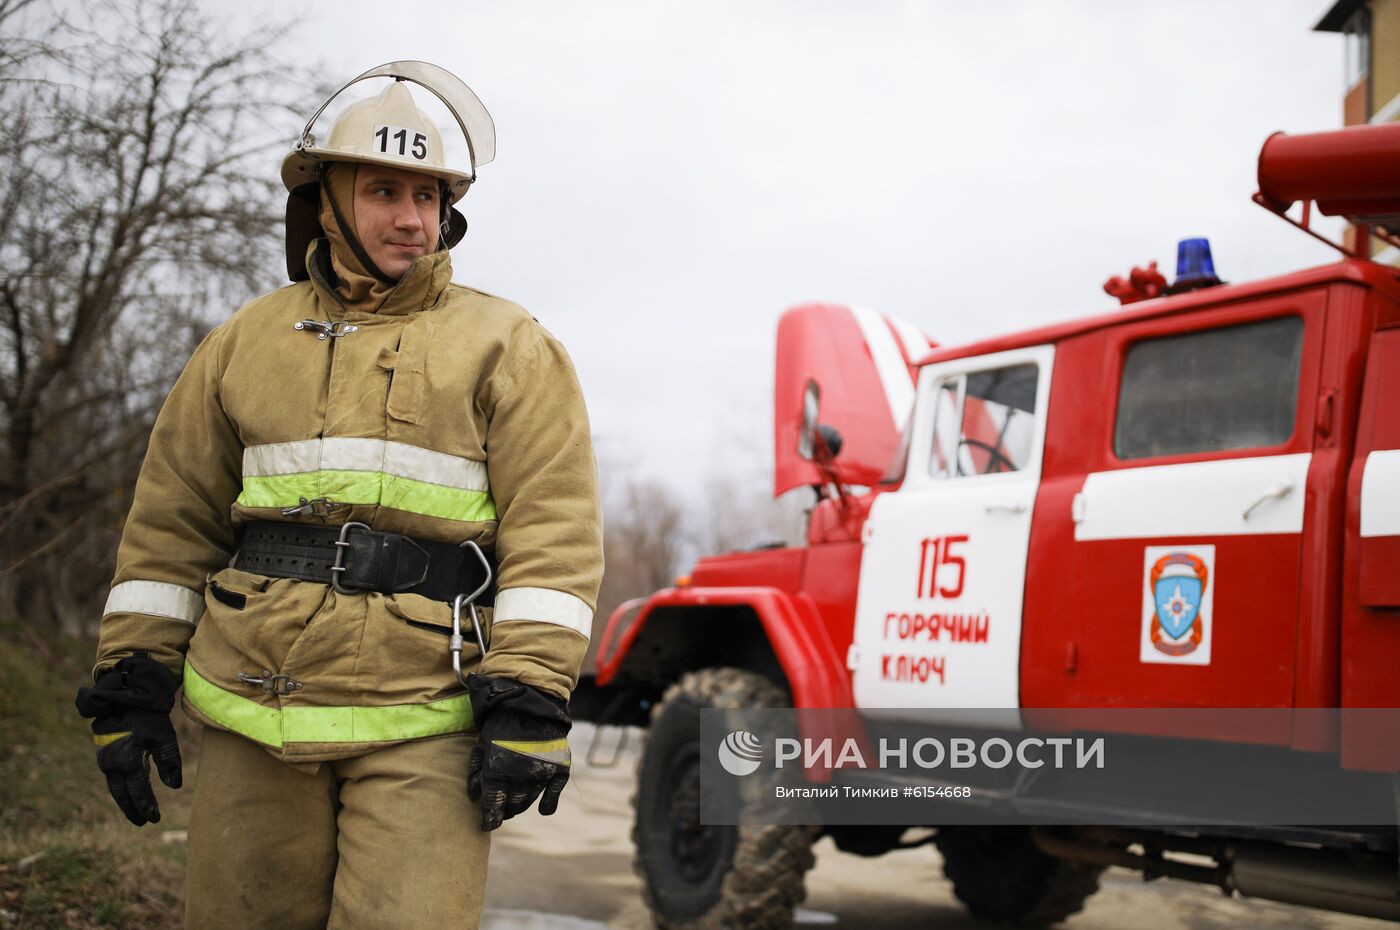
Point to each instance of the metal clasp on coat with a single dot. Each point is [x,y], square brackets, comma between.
[270,683]
[326,328]
[455,642]
[316,507]
[342,546]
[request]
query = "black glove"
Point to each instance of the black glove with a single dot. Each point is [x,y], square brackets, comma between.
[522,752]
[131,703]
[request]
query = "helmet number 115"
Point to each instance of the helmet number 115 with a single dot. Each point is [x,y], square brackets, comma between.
[385,137]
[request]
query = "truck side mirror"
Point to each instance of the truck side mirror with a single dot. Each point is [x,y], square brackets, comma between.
[831,436]
[816,442]
[807,434]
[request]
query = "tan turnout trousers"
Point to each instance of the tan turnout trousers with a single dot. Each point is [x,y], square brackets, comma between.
[387,840]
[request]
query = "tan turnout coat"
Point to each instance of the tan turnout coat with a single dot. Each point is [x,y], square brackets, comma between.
[446,414]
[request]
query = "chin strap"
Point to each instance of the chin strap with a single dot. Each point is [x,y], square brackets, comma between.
[444,215]
[452,225]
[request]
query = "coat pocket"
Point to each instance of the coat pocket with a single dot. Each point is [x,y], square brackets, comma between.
[249,623]
[227,596]
[409,370]
[232,587]
[403,657]
[432,616]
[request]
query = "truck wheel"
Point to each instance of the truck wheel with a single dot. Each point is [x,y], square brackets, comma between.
[697,877]
[1002,877]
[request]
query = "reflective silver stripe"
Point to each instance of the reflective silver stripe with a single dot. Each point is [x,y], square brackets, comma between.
[157,599]
[546,606]
[339,453]
[282,458]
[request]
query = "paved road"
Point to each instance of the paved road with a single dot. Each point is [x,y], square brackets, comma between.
[573,871]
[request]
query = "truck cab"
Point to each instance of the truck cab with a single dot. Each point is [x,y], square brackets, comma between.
[1145,508]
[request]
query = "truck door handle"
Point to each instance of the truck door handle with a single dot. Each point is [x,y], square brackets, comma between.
[1006,508]
[1277,492]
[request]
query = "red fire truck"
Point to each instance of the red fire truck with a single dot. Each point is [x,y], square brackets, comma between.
[1193,501]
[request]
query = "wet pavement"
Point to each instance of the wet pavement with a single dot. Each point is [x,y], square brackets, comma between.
[573,871]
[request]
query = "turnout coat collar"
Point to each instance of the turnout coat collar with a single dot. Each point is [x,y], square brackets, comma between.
[421,288]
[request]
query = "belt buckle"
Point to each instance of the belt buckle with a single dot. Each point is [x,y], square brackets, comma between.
[342,546]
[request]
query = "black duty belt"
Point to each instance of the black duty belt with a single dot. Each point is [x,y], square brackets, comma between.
[357,558]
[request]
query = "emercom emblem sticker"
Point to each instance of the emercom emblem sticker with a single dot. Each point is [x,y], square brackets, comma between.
[1178,604]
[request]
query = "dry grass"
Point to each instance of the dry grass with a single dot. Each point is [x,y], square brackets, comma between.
[68,859]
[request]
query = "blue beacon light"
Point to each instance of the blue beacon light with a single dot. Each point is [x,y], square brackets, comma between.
[1194,266]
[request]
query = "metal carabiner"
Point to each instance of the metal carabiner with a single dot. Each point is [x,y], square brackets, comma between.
[455,642]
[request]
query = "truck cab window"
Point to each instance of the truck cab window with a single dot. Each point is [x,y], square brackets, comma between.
[1235,387]
[984,422]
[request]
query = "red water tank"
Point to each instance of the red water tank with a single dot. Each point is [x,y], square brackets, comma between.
[1352,172]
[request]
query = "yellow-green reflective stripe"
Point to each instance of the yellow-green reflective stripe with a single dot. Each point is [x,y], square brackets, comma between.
[106,739]
[274,727]
[368,487]
[237,713]
[550,750]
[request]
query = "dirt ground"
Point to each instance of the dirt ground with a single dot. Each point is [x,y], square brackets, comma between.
[580,862]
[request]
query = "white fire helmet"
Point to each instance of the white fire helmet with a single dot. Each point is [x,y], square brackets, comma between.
[390,130]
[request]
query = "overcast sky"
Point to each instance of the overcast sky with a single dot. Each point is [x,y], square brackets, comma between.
[671,175]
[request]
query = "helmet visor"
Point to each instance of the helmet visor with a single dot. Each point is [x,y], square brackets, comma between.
[459,99]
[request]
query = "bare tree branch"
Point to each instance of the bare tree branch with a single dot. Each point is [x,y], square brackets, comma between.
[135,211]
[54,542]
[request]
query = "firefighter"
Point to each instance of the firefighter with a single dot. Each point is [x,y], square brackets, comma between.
[342,465]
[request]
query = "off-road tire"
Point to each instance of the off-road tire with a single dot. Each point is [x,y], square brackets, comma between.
[747,877]
[1002,877]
